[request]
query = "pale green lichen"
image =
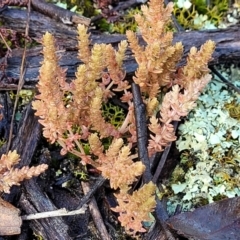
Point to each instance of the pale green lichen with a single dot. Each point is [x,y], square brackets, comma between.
[210,144]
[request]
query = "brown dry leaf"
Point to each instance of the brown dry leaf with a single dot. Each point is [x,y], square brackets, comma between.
[10,222]
[216,221]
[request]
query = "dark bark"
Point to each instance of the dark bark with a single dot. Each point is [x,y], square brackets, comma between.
[227,45]
[26,136]
[33,200]
[49,9]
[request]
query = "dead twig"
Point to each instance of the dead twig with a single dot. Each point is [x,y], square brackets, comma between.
[96,216]
[9,49]
[222,78]
[163,159]
[90,193]
[53,11]
[56,213]
[21,79]
[141,125]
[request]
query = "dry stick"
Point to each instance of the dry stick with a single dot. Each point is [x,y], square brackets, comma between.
[222,78]
[53,11]
[9,49]
[163,158]
[21,79]
[8,53]
[90,193]
[96,216]
[63,212]
[161,163]
[33,200]
[55,213]
[141,124]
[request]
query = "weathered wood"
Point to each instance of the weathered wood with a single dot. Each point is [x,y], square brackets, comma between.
[26,137]
[33,199]
[59,13]
[227,45]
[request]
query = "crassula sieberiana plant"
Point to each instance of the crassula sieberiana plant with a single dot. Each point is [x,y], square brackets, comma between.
[79,120]
[10,176]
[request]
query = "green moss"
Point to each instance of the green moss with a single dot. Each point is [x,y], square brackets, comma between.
[216,6]
[126,22]
[178,175]
[185,16]
[25,96]
[219,197]
[187,160]
[85,7]
[200,15]
[80,172]
[37,236]
[113,114]
[2,142]
[201,201]
[234,109]
[86,148]
[229,157]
